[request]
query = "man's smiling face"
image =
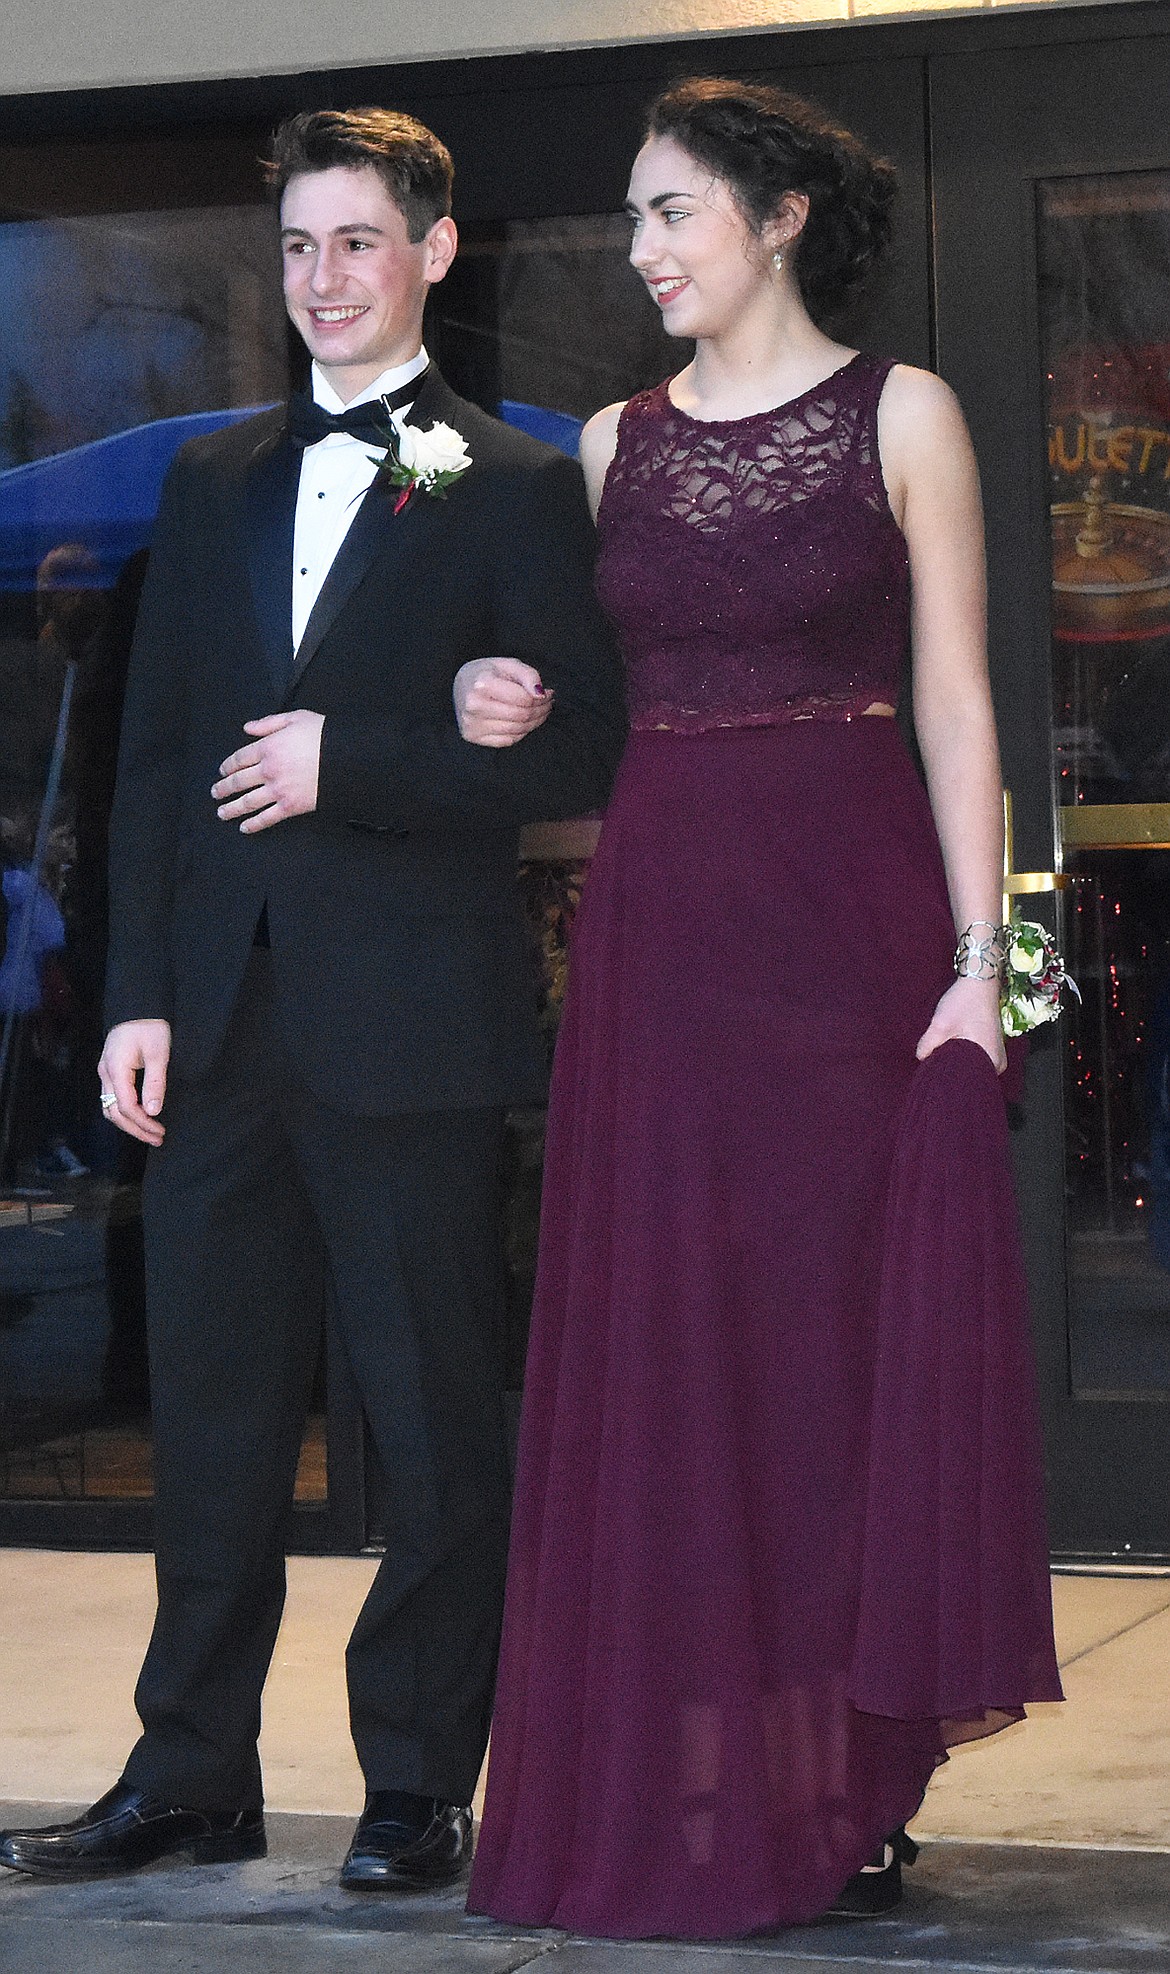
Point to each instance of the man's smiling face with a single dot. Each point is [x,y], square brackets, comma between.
[354,282]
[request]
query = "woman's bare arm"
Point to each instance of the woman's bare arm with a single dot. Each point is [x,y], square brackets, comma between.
[933,483]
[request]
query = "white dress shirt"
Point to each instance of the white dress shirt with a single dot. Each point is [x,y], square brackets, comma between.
[335,473]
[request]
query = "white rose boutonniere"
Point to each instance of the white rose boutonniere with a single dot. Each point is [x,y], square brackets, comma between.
[432,461]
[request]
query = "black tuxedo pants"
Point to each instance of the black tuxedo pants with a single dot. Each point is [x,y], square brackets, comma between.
[258,1195]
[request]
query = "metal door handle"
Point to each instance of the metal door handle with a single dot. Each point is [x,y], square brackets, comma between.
[1023,883]
[1017,882]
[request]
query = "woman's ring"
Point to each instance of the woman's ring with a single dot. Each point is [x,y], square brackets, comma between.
[108,1100]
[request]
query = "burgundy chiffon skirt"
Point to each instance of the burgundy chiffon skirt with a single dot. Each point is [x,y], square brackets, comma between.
[779,1531]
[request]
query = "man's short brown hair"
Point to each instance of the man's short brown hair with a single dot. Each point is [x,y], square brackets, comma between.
[414,165]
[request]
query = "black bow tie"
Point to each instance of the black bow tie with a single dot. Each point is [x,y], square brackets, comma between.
[309,421]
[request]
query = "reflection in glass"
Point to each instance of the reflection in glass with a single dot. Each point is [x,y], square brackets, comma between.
[548,313]
[163,323]
[166,324]
[1105,274]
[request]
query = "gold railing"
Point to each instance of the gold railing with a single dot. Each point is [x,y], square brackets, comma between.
[1115,826]
[1022,883]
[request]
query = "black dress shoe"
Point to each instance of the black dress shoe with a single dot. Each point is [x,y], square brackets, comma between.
[877,1887]
[406,1842]
[128,1829]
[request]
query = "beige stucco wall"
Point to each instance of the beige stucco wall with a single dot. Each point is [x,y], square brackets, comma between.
[71,44]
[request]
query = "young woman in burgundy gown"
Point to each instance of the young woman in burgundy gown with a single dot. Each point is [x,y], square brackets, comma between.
[779,1534]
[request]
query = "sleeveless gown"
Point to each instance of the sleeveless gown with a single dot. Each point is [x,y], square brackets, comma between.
[779,1531]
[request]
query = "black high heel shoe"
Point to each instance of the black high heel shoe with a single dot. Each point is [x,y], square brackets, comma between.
[877,1887]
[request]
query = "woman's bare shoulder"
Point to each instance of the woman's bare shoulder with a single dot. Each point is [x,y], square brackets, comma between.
[918,403]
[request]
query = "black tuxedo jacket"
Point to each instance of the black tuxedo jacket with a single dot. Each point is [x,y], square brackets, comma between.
[397,941]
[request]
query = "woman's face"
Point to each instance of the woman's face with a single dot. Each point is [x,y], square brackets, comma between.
[692,246]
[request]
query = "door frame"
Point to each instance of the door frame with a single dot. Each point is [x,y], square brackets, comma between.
[1109,1459]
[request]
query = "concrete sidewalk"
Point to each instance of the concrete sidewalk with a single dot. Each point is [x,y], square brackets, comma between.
[1013,1909]
[73,1628]
[1046,1849]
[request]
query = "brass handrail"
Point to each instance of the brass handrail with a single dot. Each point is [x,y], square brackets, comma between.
[1022,883]
[1115,826]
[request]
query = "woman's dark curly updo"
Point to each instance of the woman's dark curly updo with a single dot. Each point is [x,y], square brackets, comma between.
[764,143]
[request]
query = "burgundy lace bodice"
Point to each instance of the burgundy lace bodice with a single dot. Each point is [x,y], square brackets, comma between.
[752,566]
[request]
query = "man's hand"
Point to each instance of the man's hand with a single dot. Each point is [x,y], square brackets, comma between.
[274,777]
[130,1047]
[498,701]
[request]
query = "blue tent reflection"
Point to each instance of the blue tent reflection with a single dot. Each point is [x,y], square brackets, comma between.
[105,494]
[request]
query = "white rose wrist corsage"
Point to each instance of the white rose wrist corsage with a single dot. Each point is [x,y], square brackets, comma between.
[1033,976]
[1023,957]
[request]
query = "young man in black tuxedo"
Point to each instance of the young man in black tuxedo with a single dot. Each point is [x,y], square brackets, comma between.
[319,1005]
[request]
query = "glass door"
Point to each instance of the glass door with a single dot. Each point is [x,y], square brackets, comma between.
[119,244]
[1104,258]
[1053,254]
[132,319]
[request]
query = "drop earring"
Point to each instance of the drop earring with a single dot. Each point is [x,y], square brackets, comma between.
[777,262]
